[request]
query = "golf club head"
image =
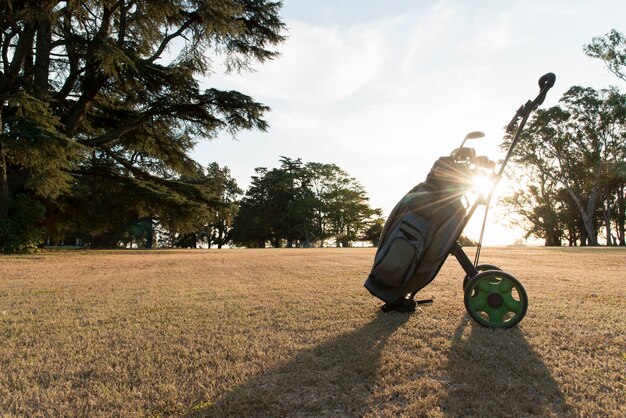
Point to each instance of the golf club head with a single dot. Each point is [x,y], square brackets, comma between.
[474,135]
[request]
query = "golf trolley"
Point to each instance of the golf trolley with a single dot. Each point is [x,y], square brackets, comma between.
[424,228]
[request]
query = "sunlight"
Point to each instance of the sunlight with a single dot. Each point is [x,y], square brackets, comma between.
[482,184]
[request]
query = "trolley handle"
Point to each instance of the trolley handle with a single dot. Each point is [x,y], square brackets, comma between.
[546,82]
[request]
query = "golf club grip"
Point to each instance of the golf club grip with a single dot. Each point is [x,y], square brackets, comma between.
[547,81]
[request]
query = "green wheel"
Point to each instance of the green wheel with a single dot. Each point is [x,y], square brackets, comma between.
[480,267]
[495,299]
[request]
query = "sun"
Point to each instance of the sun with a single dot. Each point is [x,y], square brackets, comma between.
[482,184]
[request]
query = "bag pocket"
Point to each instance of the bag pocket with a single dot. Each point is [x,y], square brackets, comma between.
[397,259]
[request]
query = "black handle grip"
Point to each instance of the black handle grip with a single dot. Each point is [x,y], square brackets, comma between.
[547,81]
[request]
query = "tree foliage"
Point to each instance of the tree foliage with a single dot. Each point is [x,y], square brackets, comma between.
[220,228]
[572,151]
[610,48]
[19,232]
[211,226]
[300,204]
[104,97]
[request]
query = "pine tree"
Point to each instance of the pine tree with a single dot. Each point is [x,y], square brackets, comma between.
[104,90]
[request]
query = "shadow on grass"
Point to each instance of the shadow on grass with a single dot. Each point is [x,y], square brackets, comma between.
[497,373]
[335,378]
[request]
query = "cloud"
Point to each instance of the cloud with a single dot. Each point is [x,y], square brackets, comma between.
[426,34]
[496,35]
[318,65]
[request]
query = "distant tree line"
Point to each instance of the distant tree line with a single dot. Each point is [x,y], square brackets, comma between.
[300,204]
[293,205]
[101,105]
[572,161]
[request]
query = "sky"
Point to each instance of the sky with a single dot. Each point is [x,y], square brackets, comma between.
[384,88]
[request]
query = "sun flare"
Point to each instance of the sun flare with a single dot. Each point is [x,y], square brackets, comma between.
[482,184]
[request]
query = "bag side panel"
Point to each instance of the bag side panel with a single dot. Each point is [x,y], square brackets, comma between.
[397,259]
[439,244]
[391,290]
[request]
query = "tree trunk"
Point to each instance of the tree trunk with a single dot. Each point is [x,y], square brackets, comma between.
[620,216]
[553,239]
[150,236]
[572,234]
[583,234]
[553,235]
[588,230]
[42,56]
[5,197]
[590,226]
[607,221]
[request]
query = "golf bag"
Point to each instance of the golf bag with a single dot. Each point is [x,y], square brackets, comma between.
[424,228]
[419,233]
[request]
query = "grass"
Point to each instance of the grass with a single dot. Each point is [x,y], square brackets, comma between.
[294,333]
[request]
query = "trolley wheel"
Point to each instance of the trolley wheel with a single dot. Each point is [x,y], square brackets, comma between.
[495,299]
[480,268]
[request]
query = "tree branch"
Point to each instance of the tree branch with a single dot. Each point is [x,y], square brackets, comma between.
[193,19]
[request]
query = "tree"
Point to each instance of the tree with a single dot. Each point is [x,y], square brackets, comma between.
[212,225]
[573,155]
[110,90]
[278,206]
[224,212]
[619,182]
[374,230]
[348,209]
[325,178]
[341,206]
[464,241]
[102,208]
[301,203]
[537,203]
[573,146]
[291,200]
[252,226]
[610,48]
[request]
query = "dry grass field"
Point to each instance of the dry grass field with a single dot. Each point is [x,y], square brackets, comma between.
[294,333]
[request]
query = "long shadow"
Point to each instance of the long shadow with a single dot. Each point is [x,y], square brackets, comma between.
[333,379]
[497,373]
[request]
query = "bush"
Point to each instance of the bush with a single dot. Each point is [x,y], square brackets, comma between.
[20,232]
[467,242]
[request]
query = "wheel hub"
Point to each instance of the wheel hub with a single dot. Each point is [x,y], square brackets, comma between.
[495,300]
